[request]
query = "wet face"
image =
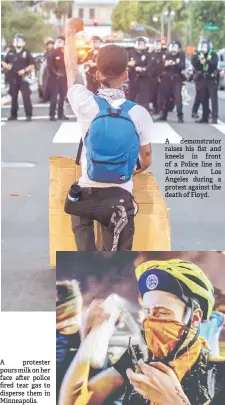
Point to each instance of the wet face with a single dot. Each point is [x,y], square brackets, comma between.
[163,305]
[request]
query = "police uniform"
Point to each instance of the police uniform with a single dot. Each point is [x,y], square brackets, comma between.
[57,81]
[155,68]
[206,79]
[19,61]
[139,78]
[171,83]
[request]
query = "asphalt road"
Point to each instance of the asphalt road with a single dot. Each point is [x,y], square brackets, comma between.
[28,283]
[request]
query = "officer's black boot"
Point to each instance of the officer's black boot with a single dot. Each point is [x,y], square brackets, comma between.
[64,118]
[12,118]
[180,119]
[202,121]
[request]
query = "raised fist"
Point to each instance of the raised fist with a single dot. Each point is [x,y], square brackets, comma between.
[73,26]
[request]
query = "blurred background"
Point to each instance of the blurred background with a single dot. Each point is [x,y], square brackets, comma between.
[183,20]
[101,274]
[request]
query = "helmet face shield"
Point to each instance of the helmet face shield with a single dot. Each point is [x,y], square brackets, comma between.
[96,43]
[140,44]
[158,46]
[203,47]
[174,48]
[18,41]
[59,43]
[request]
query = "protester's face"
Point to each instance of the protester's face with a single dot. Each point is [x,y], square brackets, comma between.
[163,305]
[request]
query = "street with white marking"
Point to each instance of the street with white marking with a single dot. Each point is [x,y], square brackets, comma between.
[26,146]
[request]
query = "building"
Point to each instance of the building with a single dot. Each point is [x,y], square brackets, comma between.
[98,11]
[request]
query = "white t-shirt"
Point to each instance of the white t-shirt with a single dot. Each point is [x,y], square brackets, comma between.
[85,108]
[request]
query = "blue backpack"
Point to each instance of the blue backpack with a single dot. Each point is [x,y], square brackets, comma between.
[112,144]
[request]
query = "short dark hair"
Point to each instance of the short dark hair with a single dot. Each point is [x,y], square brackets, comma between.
[112,61]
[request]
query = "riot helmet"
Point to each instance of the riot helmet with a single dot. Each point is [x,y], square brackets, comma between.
[157,45]
[174,47]
[60,42]
[49,43]
[140,44]
[204,45]
[96,42]
[19,41]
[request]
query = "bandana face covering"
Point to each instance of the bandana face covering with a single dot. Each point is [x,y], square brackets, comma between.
[162,336]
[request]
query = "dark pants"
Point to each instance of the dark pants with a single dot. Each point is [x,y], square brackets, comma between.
[142,91]
[171,87]
[113,208]
[131,84]
[210,91]
[58,88]
[154,93]
[17,85]
[198,97]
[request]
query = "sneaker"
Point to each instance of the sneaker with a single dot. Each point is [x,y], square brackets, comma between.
[63,118]
[28,119]
[53,119]
[195,115]
[201,121]
[12,118]
[214,121]
[161,119]
[180,120]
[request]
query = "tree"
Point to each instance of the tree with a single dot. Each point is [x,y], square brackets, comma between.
[188,21]
[206,12]
[32,25]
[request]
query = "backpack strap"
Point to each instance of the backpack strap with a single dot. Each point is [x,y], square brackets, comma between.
[79,152]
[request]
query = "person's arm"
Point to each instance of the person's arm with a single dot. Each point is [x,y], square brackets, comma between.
[74,76]
[50,64]
[5,64]
[159,384]
[213,62]
[145,128]
[145,158]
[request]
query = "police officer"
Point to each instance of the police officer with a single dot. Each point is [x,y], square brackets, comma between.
[19,63]
[138,71]
[155,68]
[172,80]
[49,46]
[205,63]
[91,65]
[57,80]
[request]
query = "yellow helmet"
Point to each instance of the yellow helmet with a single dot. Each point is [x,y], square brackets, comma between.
[192,279]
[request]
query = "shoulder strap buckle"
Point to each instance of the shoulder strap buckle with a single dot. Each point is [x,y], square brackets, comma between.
[114,112]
